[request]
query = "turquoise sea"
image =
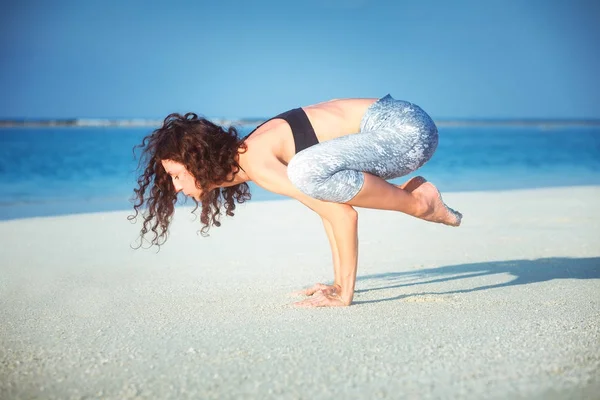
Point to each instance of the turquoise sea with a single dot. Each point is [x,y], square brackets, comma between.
[57,171]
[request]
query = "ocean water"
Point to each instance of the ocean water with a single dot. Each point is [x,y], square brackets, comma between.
[56,171]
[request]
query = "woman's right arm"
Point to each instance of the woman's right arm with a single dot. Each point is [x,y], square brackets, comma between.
[335,255]
[271,174]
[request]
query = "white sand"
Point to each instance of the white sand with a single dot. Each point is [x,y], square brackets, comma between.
[507,306]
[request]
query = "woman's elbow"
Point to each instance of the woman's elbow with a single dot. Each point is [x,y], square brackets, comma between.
[344,213]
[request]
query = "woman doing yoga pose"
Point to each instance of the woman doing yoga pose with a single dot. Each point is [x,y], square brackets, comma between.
[331,156]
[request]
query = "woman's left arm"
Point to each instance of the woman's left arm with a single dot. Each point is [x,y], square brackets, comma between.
[343,218]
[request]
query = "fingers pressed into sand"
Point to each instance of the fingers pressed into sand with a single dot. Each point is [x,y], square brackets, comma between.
[306,292]
[317,287]
[320,299]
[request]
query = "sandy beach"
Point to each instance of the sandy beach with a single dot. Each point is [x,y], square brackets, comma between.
[506,306]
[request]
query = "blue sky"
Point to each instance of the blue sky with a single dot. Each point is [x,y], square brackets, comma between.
[462,59]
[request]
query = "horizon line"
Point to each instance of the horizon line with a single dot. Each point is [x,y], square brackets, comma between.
[152,122]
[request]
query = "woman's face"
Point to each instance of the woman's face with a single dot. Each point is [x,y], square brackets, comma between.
[182,179]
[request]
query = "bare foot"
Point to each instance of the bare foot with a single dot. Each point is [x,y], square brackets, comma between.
[435,208]
[413,183]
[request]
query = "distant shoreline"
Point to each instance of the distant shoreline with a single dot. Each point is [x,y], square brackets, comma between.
[101,123]
[155,123]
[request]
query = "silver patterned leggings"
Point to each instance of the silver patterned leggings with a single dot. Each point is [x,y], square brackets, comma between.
[395,138]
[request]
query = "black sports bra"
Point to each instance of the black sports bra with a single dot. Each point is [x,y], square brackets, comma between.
[302,130]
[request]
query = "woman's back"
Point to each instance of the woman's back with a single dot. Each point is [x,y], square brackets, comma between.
[329,120]
[336,118]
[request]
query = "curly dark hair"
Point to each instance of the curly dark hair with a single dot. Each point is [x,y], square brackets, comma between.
[209,153]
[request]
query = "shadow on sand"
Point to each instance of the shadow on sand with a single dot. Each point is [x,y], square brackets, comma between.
[524,271]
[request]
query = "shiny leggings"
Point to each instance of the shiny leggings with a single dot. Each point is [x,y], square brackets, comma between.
[395,138]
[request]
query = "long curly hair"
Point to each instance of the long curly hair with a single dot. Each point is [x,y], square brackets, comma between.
[208,152]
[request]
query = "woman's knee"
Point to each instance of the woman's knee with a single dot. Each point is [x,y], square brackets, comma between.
[317,182]
[425,136]
[429,138]
[424,124]
[305,173]
[308,181]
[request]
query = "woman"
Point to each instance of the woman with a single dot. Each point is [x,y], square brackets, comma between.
[331,156]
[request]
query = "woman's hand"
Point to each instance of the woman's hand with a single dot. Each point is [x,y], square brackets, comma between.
[319,287]
[320,299]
